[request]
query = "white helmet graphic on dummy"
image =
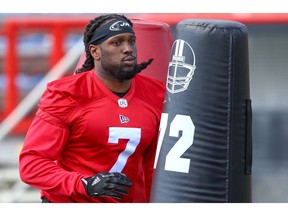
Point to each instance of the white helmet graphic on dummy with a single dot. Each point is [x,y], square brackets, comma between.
[181,67]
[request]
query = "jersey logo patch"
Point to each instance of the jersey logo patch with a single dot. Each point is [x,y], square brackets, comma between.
[122,103]
[123,119]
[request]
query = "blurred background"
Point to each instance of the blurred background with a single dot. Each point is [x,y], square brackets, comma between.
[31,45]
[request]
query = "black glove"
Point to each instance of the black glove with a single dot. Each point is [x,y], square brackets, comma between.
[107,184]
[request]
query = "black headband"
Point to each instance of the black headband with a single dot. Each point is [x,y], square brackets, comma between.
[110,29]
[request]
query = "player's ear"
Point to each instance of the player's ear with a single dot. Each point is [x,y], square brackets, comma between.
[94,51]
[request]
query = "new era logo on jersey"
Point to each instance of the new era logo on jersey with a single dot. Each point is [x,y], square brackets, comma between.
[123,119]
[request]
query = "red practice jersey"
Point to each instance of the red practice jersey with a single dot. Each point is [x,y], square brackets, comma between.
[81,128]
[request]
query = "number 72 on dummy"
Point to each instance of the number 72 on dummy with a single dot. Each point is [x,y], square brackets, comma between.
[173,161]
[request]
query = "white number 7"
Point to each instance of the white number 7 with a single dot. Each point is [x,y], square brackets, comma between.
[174,162]
[134,136]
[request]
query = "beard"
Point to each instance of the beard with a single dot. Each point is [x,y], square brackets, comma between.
[117,71]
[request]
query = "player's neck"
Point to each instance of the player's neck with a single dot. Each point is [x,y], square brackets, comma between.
[121,94]
[116,86]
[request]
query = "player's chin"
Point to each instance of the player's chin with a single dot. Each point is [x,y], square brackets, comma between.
[129,68]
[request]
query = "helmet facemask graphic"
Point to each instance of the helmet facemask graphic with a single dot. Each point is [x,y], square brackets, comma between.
[181,67]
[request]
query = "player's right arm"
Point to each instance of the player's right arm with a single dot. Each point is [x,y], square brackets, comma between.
[43,144]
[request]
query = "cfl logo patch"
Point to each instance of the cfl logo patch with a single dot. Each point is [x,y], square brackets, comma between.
[122,103]
[123,119]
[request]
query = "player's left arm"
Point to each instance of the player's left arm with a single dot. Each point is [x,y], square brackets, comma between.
[148,166]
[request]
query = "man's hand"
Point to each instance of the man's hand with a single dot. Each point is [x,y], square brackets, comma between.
[107,184]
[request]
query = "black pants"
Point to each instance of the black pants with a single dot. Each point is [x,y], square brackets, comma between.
[45,200]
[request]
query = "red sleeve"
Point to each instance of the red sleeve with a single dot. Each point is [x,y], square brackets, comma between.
[148,164]
[157,90]
[43,143]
